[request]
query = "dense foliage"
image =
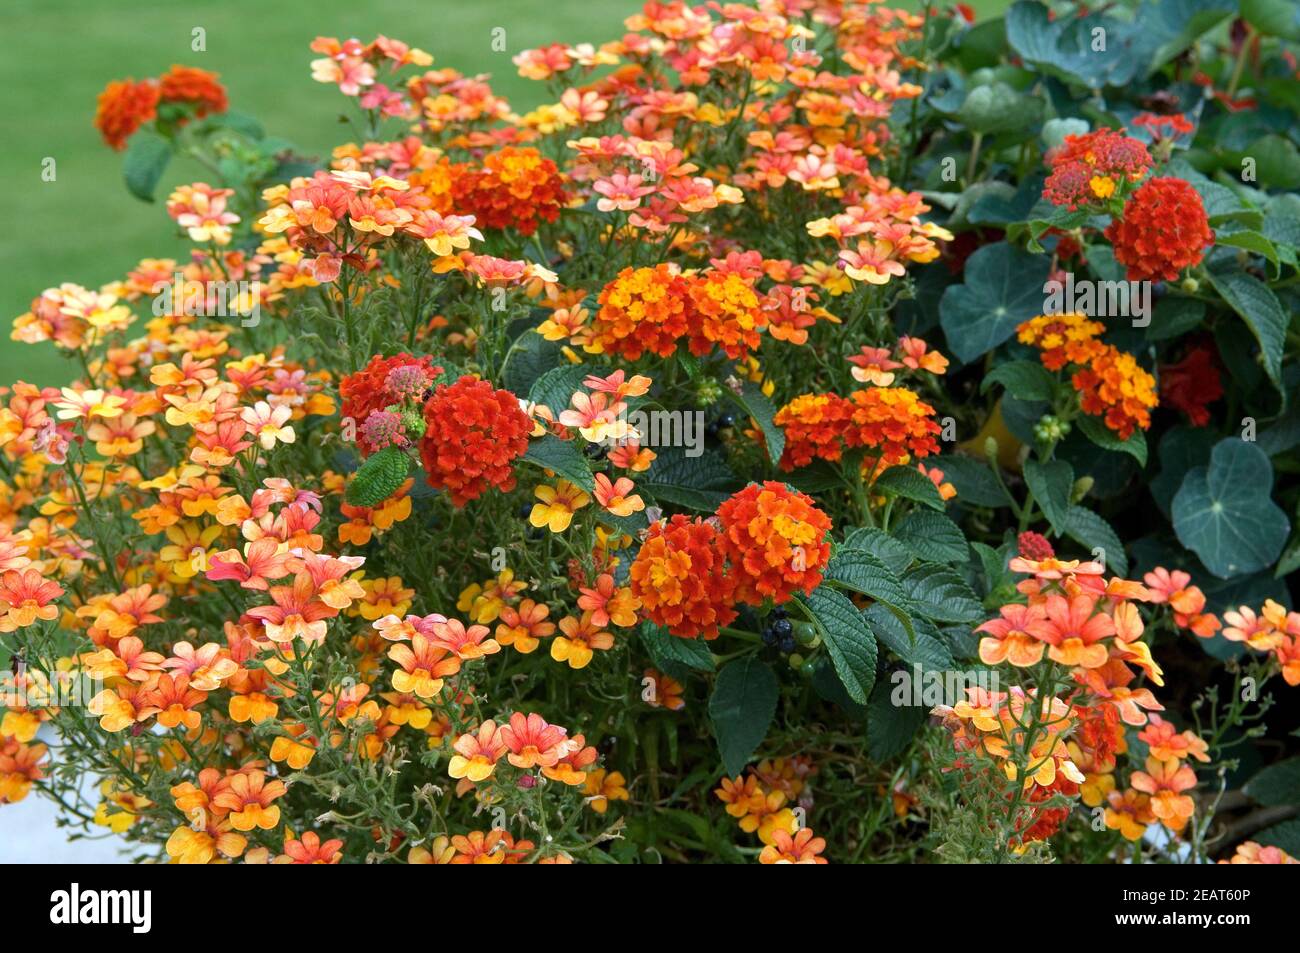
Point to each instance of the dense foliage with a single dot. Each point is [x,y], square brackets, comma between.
[824,432]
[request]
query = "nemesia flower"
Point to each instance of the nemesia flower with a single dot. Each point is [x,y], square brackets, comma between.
[523,627]
[556,505]
[533,742]
[477,754]
[603,786]
[580,640]
[617,497]
[801,848]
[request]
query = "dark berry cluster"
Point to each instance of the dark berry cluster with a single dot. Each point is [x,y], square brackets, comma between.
[778,633]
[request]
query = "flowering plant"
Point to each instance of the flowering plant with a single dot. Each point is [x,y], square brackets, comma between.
[742,439]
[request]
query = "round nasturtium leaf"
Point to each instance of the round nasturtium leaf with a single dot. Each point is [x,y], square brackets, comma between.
[1224,512]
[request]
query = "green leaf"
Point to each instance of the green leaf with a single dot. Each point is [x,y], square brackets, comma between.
[378,477]
[1224,513]
[1174,317]
[1087,528]
[848,640]
[1063,47]
[695,483]
[1024,380]
[530,357]
[741,709]
[556,386]
[1250,240]
[938,593]
[880,544]
[890,727]
[1285,835]
[1051,484]
[1273,17]
[862,572]
[145,161]
[1003,286]
[1259,308]
[972,479]
[932,537]
[563,457]
[997,108]
[669,653]
[1171,26]
[925,647]
[754,402]
[910,484]
[1095,429]
[1277,784]
[1289,561]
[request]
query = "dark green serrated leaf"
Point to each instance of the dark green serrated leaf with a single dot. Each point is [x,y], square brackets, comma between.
[1051,484]
[1087,528]
[862,572]
[672,655]
[932,537]
[1259,308]
[910,484]
[563,457]
[880,544]
[741,709]
[938,593]
[754,402]
[1024,380]
[1096,430]
[378,477]
[972,479]
[848,640]
[924,647]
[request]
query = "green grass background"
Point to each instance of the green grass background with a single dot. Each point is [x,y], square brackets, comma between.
[56,55]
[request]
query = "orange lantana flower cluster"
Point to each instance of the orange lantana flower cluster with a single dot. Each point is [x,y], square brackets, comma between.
[515,188]
[766,542]
[775,540]
[681,579]
[1111,383]
[126,105]
[893,422]
[652,309]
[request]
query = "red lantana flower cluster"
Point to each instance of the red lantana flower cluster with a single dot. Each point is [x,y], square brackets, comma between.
[473,433]
[1091,168]
[371,397]
[1164,230]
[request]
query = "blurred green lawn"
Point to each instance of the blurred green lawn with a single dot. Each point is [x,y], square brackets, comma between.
[56,55]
